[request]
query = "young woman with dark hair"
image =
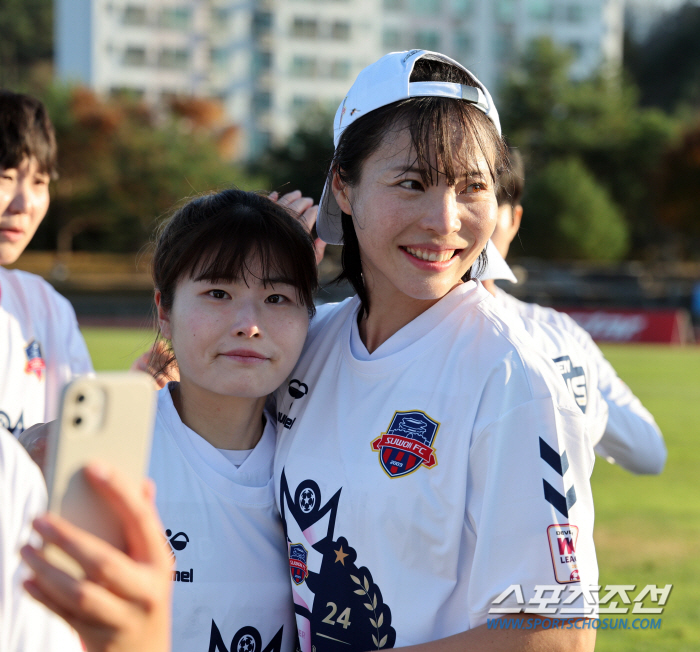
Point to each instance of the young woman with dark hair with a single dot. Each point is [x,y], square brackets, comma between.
[434,462]
[234,274]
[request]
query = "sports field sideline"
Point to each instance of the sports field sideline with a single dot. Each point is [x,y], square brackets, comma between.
[647,528]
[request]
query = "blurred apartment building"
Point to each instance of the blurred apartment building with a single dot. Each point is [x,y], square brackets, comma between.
[270,61]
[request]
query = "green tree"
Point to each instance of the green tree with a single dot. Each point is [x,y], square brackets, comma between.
[597,121]
[571,216]
[302,162]
[27,38]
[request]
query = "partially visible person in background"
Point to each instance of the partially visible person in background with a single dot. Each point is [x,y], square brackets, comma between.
[631,438]
[42,347]
[25,625]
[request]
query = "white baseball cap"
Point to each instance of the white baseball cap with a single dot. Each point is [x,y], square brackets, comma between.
[384,82]
[496,266]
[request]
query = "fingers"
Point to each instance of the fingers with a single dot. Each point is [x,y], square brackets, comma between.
[141,363]
[320,249]
[140,522]
[71,598]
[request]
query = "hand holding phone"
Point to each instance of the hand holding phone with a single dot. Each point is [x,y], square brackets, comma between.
[107,417]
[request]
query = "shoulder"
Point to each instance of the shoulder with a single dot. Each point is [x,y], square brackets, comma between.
[329,314]
[35,292]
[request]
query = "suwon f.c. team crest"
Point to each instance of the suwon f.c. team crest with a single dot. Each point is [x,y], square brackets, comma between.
[407,444]
[35,363]
[297,563]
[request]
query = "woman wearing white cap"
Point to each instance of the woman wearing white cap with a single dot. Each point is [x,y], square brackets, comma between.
[432,470]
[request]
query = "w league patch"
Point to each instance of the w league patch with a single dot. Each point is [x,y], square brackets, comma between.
[562,544]
[407,444]
[35,362]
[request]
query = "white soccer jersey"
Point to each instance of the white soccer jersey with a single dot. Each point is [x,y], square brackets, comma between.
[25,625]
[231,590]
[631,439]
[420,482]
[41,350]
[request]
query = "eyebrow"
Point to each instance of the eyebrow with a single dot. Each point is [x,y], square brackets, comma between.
[399,169]
[280,280]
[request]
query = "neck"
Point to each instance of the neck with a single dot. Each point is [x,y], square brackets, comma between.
[490,285]
[388,315]
[228,422]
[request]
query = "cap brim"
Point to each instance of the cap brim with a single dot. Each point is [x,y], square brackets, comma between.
[496,267]
[329,224]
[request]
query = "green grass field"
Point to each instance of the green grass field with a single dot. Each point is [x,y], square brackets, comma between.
[646,527]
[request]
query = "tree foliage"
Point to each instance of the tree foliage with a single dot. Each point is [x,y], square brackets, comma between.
[666,66]
[302,163]
[598,122]
[122,167]
[576,218]
[26,27]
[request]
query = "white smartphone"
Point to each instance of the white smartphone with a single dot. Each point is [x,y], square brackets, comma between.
[107,417]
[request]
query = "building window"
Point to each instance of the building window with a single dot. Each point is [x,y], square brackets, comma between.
[174,59]
[303,67]
[219,18]
[505,11]
[428,40]
[539,9]
[262,101]
[577,48]
[464,44]
[427,7]
[135,57]
[219,57]
[260,141]
[126,93]
[174,18]
[262,62]
[391,39]
[462,6]
[305,28]
[393,5]
[134,15]
[340,31]
[301,105]
[340,69]
[575,13]
[262,23]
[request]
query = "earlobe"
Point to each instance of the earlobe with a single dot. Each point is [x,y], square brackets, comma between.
[163,317]
[339,189]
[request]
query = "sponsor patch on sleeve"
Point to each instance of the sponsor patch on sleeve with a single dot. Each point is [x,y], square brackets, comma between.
[562,545]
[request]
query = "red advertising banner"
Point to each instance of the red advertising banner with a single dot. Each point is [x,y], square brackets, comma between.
[623,325]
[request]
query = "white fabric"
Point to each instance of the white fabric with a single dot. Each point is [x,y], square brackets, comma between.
[235,457]
[427,552]
[631,439]
[34,316]
[232,576]
[496,266]
[25,625]
[579,372]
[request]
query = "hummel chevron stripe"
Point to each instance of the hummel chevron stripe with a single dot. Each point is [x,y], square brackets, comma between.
[560,463]
[561,503]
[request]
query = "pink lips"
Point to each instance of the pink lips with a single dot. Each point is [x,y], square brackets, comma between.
[245,355]
[11,234]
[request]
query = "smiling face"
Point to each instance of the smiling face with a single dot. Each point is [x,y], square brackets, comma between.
[238,338]
[417,240]
[24,200]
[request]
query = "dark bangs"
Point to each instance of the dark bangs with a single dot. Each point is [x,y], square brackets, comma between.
[231,236]
[25,132]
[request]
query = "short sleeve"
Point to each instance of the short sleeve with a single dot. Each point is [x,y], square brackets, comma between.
[529,507]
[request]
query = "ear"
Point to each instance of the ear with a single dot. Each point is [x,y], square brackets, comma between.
[340,190]
[517,218]
[163,317]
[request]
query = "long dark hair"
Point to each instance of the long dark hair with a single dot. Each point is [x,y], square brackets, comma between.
[214,237]
[431,123]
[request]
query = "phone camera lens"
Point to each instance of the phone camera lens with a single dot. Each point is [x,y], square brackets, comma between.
[81,398]
[77,421]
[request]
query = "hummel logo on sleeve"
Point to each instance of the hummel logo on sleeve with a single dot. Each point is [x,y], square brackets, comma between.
[560,463]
